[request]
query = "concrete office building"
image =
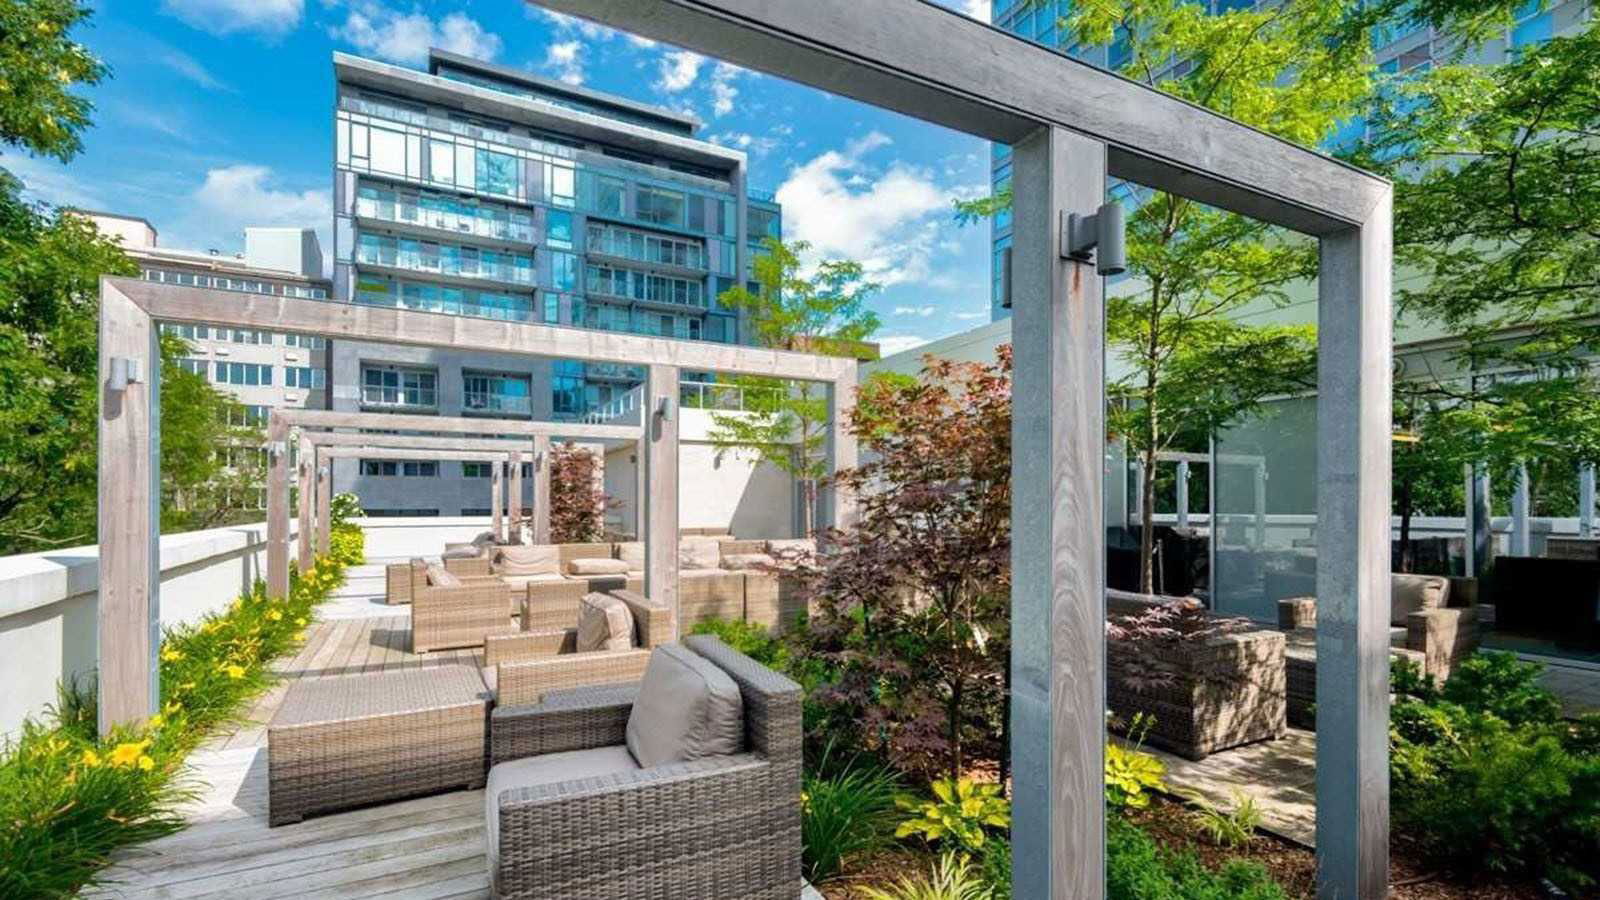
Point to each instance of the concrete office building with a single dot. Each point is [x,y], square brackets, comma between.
[480,190]
[261,369]
[1400,48]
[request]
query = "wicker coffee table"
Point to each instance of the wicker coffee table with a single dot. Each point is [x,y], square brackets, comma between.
[351,740]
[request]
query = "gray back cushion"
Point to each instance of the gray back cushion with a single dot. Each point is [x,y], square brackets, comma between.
[687,709]
[1415,593]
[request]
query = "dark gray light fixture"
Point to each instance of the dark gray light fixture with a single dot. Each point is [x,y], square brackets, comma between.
[1099,237]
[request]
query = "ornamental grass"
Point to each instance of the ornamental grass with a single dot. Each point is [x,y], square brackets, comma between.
[70,798]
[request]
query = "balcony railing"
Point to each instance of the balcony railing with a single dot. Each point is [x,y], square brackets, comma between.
[646,248]
[499,404]
[721,397]
[455,265]
[403,210]
[399,398]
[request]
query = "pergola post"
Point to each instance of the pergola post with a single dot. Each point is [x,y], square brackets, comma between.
[324,503]
[1057,535]
[1354,342]
[1586,500]
[1183,493]
[277,505]
[1521,512]
[641,481]
[515,505]
[661,417]
[497,499]
[128,615]
[541,489]
[305,470]
[839,506]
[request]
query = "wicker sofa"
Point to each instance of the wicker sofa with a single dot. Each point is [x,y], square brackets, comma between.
[525,666]
[451,611]
[1224,690]
[571,815]
[1421,620]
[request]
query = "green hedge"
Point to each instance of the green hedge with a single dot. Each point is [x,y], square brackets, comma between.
[69,799]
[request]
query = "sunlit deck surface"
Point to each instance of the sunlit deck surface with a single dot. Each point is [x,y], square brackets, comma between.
[427,847]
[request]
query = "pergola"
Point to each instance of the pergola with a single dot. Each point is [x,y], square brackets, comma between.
[315,479]
[1071,126]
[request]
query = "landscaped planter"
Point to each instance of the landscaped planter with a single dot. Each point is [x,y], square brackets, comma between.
[1215,691]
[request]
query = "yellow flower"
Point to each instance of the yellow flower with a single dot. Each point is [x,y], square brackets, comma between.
[275,615]
[300,635]
[300,621]
[128,754]
[156,721]
[170,655]
[234,671]
[91,758]
[146,763]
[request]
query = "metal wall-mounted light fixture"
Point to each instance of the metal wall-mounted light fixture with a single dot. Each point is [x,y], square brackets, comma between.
[276,449]
[121,372]
[1100,237]
[664,407]
[1005,278]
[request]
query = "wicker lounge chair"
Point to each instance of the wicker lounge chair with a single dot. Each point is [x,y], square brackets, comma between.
[448,611]
[527,665]
[571,815]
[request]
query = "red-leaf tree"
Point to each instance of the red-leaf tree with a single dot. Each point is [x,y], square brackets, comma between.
[578,501]
[912,603]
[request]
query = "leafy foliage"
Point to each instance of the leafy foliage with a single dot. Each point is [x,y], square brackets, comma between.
[70,799]
[748,638]
[785,424]
[1131,775]
[954,877]
[578,503]
[1137,868]
[39,65]
[1228,828]
[846,814]
[342,507]
[961,813]
[911,628]
[1485,775]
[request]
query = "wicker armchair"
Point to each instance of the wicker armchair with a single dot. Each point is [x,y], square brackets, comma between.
[397,579]
[1439,634]
[529,664]
[722,826]
[460,615]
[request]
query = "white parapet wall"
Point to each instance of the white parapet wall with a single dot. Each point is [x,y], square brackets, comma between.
[48,607]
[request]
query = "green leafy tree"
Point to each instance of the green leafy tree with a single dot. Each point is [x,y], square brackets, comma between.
[820,310]
[1497,200]
[39,65]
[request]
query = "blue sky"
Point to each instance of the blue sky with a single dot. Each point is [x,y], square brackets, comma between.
[218,115]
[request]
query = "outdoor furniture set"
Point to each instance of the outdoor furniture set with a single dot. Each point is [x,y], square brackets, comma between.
[677,774]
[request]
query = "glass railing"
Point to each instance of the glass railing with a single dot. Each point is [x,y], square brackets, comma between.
[423,120]
[452,307]
[646,248]
[506,404]
[724,397]
[461,265]
[399,398]
[407,211]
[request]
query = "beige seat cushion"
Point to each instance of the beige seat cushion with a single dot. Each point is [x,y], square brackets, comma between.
[740,561]
[604,623]
[534,559]
[632,553]
[522,581]
[551,768]
[462,551]
[596,566]
[699,553]
[687,709]
[438,577]
[1415,593]
[790,548]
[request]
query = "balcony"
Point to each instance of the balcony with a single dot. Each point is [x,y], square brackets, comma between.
[489,403]
[656,251]
[408,213]
[462,263]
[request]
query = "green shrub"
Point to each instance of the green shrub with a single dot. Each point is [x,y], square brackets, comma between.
[69,799]
[748,638]
[1502,685]
[1228,828]
[960,814]
[845,814]
[1130,776]
[996,863]
[1139,869]
[953,878]
[342,508]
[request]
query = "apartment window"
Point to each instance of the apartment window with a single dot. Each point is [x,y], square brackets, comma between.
[642,286]
[442,161]
[244,374]
[566,387]
[242,415]
[476,470]
[388,468]
[304,377]
[496,393]
[388,151]
[305,341]
[193,366]
[558,229]
[399,513]
[659,206]
[496,173]
[187,332]
[399,387]
[563,271]
[552,308]
[244,336]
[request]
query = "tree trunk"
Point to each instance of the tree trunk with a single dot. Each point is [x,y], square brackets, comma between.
[1406,504]
[808,515]
[1147,527]
[1005,722]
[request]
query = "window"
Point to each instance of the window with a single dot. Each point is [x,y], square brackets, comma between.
[187,332]
[558,229]
[193,366]
[563,271]
[239,415]
[304,377]
[496,393]
[442,161]
[399,387]
[497,173]
[602,193]
[305,341]
[244,336]
[659,206]
[763,223]
[476,470]
[552,309]
[245,374]
[399,513]
[388,151]
[388,468]
[566,386]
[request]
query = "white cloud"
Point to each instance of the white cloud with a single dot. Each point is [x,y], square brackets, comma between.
[722,90]
[978,9]
[923,311]
[231,197]
[678,70]
[971,315]
[272,18]
[593,31]
[51,182]
[565,60]
[406,37]
[890,344]
[888,220]
[189,67]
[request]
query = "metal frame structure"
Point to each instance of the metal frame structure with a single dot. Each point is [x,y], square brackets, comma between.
[1071,127]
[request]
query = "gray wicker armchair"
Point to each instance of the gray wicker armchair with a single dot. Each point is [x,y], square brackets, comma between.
[526,665]
[460,614]
[584,822]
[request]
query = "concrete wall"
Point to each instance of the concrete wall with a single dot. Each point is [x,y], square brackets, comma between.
[48,607]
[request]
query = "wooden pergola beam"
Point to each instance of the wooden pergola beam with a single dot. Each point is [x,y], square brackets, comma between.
[414,442]
[477,427]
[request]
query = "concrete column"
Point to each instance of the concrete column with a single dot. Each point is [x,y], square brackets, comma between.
[661,507]
[277,506]
[497,500]
[305,471]
[542,467]
[1261,505]
[1183,493]
[1521,512]
[324,504]
[1480,520]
